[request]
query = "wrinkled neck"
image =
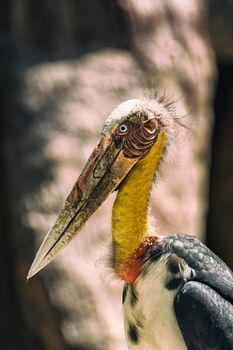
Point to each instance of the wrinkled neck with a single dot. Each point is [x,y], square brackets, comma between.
[130,219]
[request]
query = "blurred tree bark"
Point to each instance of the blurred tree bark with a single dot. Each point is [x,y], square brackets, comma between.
[64,66]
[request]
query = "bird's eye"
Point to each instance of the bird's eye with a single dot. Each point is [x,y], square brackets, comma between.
[123,129]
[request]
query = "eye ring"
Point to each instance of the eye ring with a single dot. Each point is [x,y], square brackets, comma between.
[123,129]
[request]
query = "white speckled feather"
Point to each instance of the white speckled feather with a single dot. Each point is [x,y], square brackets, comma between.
[153,313]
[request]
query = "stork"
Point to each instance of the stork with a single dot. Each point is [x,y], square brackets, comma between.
[177,293]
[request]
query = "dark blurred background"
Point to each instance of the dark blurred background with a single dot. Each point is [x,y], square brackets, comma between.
[64,65]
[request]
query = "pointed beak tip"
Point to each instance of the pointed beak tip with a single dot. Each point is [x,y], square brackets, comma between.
[31,273]
[34,269]
[28,278]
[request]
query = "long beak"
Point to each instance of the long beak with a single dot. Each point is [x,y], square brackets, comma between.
[103,172]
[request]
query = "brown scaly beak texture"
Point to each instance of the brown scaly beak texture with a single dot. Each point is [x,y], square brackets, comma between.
[107,166]
[103,172]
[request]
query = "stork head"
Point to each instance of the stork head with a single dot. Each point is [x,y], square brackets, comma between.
[127,137]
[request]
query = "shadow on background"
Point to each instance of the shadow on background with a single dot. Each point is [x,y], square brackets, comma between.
[220,217]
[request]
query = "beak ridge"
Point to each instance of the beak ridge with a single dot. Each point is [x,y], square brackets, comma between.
[104,171]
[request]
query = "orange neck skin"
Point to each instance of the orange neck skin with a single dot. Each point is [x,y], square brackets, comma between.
[131,269]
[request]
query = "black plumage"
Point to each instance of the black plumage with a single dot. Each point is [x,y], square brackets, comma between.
[204,303]
[204,317]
